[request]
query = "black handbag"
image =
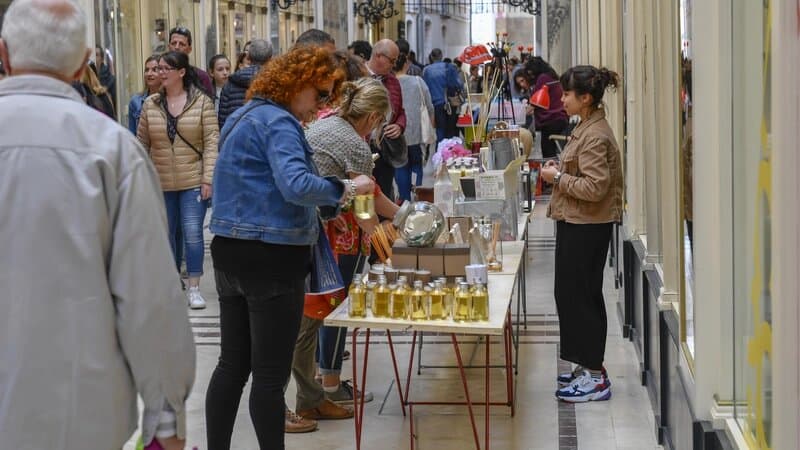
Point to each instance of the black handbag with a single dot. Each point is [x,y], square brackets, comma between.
[394,151]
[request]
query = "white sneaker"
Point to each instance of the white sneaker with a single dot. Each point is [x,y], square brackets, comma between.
[196,301]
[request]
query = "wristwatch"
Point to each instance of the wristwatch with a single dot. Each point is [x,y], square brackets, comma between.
[557,178]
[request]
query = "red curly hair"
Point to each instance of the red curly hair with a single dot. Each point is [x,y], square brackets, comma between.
[285,76]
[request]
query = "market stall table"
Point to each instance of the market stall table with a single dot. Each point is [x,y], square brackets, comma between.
[500,287]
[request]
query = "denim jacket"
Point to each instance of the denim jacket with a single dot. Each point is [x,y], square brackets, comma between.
[268,187]
[134,111]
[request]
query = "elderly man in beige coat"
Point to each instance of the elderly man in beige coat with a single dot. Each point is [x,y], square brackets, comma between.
[93,312]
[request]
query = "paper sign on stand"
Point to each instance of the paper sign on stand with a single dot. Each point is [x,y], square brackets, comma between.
[499,184]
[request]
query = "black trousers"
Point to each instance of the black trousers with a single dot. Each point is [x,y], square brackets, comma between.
[446,124]
[384,175]
[549,148]
[259,322]
[581,251]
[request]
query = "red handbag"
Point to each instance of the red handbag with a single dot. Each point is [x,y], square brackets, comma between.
[318,306]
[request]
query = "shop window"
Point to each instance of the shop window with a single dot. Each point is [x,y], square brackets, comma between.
[751,158]
[685,150]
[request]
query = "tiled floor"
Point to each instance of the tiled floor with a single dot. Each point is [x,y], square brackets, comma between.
[624,423]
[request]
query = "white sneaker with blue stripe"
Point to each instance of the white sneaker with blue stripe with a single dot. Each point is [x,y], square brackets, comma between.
[585,388]
[566,378]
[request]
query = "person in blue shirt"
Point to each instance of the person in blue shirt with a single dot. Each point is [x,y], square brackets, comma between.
[152,83]
[443,80]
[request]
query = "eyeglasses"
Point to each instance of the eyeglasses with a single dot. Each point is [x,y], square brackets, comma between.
[162,69]
[390,59]
[323,97]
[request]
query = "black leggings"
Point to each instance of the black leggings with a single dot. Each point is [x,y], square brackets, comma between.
[581,251]
[259,321]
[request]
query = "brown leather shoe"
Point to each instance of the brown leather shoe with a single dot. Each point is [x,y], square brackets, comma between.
[327,410]
[297,424]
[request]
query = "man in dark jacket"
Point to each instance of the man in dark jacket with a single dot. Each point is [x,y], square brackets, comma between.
[180,40]
[233,93]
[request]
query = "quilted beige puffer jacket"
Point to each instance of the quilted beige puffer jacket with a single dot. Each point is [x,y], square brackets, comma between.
[179,166]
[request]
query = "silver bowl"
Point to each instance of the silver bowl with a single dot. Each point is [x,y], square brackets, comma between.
[419,223]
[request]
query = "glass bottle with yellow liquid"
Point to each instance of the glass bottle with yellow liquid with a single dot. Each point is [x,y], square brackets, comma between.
[420,308]
[400,297]
[463,303]
[357,306]
[370,287]
[380,304]
[480,303]
[449,297]
[438,306]
[364,206]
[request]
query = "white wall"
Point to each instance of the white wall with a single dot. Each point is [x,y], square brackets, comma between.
[452,41]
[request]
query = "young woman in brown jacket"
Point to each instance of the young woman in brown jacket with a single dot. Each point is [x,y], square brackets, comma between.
[586,202]
[178,127]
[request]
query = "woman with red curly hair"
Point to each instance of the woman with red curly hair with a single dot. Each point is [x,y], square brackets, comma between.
[265,222]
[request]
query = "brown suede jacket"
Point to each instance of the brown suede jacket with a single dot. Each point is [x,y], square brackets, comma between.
[590,187]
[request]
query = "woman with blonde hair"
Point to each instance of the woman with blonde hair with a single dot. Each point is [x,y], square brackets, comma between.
[341,150]
[265,221]
[94,93]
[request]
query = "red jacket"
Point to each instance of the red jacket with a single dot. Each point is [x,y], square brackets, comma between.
[392,84]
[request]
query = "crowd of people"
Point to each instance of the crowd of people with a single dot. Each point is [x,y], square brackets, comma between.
[280,146]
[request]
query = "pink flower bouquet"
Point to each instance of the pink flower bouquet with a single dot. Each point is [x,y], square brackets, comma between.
[449,149]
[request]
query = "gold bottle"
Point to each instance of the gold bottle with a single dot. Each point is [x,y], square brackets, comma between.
[420,308]
[480,303]
[380,305]
[438,306]
[370,287]
[449,296]
[463,304]
[357,306]
[400,296]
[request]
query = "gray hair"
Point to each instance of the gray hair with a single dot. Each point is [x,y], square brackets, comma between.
[45,35]
[259,51]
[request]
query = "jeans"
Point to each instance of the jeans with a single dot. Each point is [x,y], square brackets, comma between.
[185,210]
[259,322]
[332,339]
[403,175]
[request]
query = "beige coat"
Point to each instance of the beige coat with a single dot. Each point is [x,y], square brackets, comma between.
[590,189]
[107,324]
[179,166]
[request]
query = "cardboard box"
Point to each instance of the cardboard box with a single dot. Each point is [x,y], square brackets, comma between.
[432,259]
[404,256]
[456,257]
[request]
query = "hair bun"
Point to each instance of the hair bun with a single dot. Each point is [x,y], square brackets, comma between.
[607,78]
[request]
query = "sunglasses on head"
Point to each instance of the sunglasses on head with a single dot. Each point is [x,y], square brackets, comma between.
[180,30]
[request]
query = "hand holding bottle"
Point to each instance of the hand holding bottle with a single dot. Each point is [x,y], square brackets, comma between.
[364,185]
